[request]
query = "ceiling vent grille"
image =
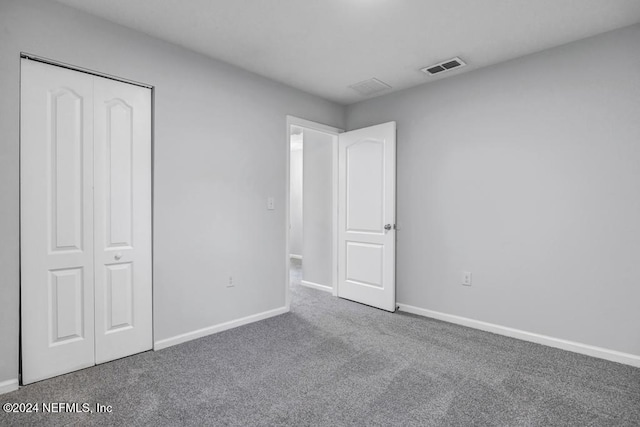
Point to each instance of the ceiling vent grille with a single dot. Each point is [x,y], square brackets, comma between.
[441,67]
[370,87]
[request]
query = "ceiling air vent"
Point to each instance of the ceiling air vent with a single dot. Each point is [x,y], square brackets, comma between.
[443,66]
[370,87]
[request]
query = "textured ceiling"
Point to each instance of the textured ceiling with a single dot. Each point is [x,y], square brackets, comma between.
[323,46]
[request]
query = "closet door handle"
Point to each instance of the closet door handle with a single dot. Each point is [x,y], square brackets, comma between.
[118,256]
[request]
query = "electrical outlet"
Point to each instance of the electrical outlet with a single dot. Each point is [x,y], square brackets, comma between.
[271,203]
[466,278]
[230,283]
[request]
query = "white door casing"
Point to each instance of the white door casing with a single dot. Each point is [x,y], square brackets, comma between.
[122,144]
[56,227]
[366,249]
[76,133]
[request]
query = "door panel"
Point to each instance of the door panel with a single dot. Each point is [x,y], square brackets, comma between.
[119,301]
[119,173]
[366,250]
[65,304]
[56,220]
[122,219]
[365,264]
[66,148]
[364,174]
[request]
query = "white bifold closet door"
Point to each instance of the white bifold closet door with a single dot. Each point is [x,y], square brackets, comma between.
[85,191]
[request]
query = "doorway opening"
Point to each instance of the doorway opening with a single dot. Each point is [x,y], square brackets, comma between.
[340,211]
[312,205]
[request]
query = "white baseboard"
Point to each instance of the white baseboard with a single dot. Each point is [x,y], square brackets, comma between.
[576,347]
[8,386]
[179,339]
[294,256]
[316,286]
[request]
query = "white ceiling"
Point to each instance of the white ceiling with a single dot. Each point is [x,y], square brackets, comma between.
[323,46]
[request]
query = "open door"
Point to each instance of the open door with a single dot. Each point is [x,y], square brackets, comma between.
[366,218]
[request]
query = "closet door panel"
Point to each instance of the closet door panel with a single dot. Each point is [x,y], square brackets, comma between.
[122,219]
[56,220]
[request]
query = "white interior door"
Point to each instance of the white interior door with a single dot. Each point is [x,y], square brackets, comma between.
[85,253]
[123,294]
[366,218]
[56,225]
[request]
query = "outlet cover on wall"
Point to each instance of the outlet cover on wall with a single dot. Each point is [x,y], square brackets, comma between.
[466,278]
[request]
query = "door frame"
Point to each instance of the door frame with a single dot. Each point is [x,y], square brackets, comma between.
[334,132]
[53,62]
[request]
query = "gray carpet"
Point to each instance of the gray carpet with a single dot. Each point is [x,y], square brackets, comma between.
[334,362]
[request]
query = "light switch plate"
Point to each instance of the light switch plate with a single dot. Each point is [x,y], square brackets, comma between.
[271,203]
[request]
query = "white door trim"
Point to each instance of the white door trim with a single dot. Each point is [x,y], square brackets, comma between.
[296,121]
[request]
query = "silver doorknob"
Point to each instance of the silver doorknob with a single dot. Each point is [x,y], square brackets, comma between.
[387,227]
[118,256]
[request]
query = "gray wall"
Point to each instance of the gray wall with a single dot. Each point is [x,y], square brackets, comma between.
[296,200]
[220,147]
[527,174]
[317,245]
